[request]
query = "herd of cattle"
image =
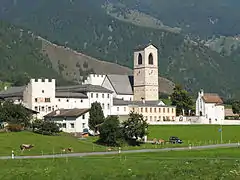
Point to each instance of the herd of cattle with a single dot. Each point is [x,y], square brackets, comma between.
[30,146]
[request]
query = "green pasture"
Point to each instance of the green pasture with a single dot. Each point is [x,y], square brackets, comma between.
[194,135]
[203,134]
[152,166]
[44,144]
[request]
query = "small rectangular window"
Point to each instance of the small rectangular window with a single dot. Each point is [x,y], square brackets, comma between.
[36,100]
[36,108]
[72,125]
[47,100]
[125,109]
[96,95]
[83,116]
[146,110]
[91,95]
[108,106]
[49,108]
[117,108]
[64,125]
[108,96]
[102,95]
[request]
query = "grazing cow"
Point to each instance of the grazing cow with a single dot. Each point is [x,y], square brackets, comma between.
[67,150]
[26,146]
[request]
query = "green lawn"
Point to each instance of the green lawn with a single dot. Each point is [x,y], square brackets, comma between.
[203,134]
[44,144]
[195,135]
[150,166]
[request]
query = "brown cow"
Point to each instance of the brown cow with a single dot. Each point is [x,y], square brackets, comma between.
[67,150]
[26,146]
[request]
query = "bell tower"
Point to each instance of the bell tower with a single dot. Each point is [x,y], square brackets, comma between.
[146,73]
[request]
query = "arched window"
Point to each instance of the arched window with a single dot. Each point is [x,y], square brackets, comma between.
[140,59]
[150,59]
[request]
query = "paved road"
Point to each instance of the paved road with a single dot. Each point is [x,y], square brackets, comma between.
[124,152]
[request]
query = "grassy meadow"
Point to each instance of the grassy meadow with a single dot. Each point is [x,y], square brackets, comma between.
[187,165]
[195,135]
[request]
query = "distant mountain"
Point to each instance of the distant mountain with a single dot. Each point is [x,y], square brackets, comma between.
[89,27]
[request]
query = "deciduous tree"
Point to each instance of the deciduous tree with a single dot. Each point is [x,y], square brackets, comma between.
[14,113]
[182,100]
[236,107]
[96,116]
[135,127]
[110,131]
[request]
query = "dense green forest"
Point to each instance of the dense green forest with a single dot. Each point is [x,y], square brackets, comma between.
[199,17]
[21,57]
[86,27]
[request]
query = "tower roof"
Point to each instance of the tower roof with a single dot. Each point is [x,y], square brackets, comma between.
[143,46]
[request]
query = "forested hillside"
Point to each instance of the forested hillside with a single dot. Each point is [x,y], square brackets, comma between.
[21,57]
[86,27]
[199,17]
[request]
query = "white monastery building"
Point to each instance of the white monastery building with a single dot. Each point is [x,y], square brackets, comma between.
[210,108]
[117,94]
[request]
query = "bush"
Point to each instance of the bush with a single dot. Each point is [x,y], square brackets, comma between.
[45,127]
[14,127]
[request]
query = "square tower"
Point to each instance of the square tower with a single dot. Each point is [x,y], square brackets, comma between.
[146,73]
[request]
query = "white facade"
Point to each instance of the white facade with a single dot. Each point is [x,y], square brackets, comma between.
[39,95]
[71,103]
[95,79]
[121,110]
[105,99]
[209,107]
[72,124]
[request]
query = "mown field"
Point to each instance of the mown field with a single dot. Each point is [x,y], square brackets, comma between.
[188,165]
[194,135]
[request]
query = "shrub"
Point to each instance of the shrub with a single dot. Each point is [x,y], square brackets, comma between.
[14,127]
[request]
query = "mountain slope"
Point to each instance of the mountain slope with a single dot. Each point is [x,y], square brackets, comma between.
[204,17]
[21,57]
[86,27]
[78,64]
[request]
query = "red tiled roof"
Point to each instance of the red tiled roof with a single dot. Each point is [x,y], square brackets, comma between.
[212,98]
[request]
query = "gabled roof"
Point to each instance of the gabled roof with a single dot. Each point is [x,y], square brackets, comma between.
[83,88]
[142,46]
[120,102]
[13,92]
[212,98]
[121,84]
[70,95]
[67,113]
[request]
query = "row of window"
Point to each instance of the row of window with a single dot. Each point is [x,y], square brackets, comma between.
[44,109]
[103,106]
[67,100]
[156,110]
[72,125]
[160,118]
[140,59]
[42,100]
[97,95]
